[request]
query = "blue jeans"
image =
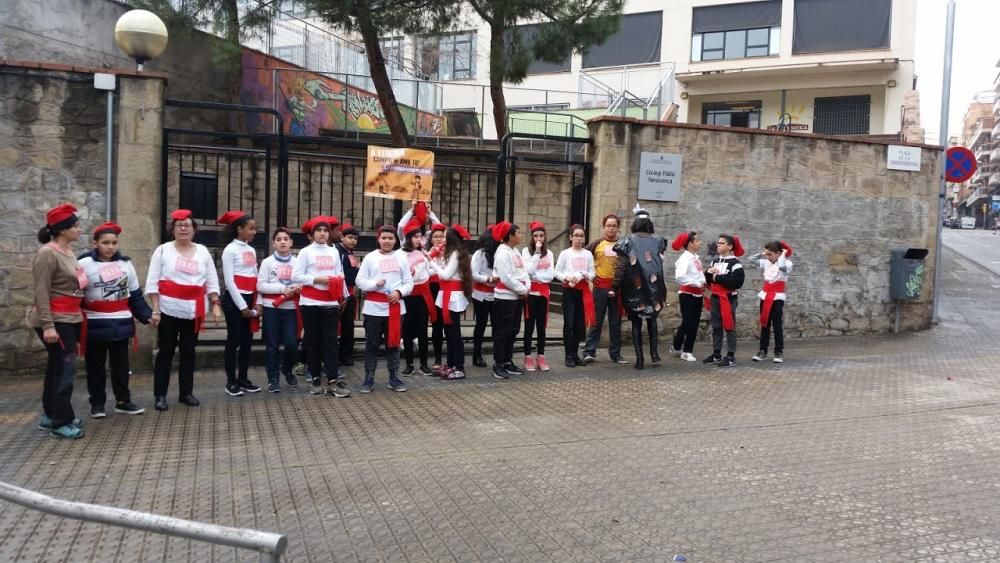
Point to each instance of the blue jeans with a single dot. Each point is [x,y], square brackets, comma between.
[280,329]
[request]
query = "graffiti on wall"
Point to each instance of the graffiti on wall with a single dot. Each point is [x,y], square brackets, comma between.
[311,103]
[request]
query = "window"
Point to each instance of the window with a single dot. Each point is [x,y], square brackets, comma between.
[527,38]
[735,44]
[637,41]
[732,114]
[448,57]
[294,9]
[842,115]
[392,51]
[823,26]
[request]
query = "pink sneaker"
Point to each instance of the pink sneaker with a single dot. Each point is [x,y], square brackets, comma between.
[529,363]
[542,364]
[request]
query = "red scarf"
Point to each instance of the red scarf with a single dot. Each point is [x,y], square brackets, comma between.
[248,284]
[771,290]
[589,314]
[395,319]
[447,287]
[725,306]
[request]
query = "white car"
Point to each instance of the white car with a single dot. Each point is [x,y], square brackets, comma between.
[968,222]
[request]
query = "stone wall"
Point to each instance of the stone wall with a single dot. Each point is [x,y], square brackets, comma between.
[832,200]
[53,150]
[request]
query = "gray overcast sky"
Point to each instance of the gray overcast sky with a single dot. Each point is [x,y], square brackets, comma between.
[976,50]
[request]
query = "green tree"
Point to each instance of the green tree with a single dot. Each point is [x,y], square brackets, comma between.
[373,19]
[568,26]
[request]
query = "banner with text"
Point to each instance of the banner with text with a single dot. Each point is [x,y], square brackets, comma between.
[406,174]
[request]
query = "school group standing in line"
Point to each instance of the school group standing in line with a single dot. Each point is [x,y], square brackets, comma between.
[420,276]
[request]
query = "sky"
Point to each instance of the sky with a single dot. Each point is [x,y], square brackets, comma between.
[974,59]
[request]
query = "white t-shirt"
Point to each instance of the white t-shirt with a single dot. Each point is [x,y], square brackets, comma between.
[318,260]
[167,264]
[540,268]
[575,263]
[274,277]
[394,269]
[481,272]
[450,272]
[238,259]
[508,267]
[108,281]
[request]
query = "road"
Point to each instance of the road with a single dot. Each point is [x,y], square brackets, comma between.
[982,247]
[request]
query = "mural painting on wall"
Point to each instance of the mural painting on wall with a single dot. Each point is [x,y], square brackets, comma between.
[311,103]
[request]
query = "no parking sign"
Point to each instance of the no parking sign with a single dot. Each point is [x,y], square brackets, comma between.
[960,164]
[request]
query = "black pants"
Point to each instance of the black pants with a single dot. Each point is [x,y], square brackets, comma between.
[538,308]
[718,332]
[98,354]
[506,324]
[322,353]
[280,332]
[775,321]
[456,348]
[376,334]
[687,332]
[347,328]
[484,314]
[239,339]
[415,326]
[171,333]
[573,321]
[60,370]
[605,305]
[437,329]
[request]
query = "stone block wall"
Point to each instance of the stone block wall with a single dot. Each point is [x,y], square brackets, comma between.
[832,200]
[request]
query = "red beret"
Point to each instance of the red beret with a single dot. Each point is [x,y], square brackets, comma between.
[108,227]
[181,214]
[349,229]
[230,217]
[307,227]
[462,231]
[500,230]
[439,227]
[410,227]
[332,220]
[738,249]
[420,213]
[680,241]
[59,214]
[788,249]
[536,226]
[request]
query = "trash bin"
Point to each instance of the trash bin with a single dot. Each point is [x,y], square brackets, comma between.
[906,273]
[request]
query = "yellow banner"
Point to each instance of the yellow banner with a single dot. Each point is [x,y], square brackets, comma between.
[406,174]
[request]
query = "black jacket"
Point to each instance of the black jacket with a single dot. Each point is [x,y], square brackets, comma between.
[733,278]
[113,330]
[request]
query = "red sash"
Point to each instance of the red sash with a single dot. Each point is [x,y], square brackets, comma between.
[483,287]
[691,290]
[771,290]
[117,306]
[725,307]
[543,289]
[589,314]
[277,299]
[424,290]
[447,287]
[64,305]
[184,292]
[248,284]
[395,322]
[605,283]
[333,295]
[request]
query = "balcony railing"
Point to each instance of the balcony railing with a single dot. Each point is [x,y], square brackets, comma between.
[995,180]
[981,134]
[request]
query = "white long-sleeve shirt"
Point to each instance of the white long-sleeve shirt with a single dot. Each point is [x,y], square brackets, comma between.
[575,264]
[689,271]
[108,281]
[317,260]
[238,259]
[418,262]
[450,272]
[394,269]
[481,273]
[773,272]
[274,277]
[167,264]
[540,268]
[508,267]
[406,219]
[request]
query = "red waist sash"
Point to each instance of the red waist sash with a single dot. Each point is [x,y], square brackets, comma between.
[483,287]
[65,305]
[691,289]
[116,306]
[184,292]
[543,289]
[395,318]
[333,295]
[447,287]
[589,313]
[605,283]
[725,306]
[424,290]
[771,290]
[248,284]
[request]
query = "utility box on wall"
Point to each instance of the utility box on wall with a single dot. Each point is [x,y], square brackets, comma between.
[906,273]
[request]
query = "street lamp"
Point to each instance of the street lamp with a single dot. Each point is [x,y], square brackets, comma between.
[142,35]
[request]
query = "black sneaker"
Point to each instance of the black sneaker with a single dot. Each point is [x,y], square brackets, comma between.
[248,386]
[128,408]
[727,362]
[97,412]
[397,385]
[512,369]
[499,372]
[274,387]
[760,356]
[233,389]
[338,389]
[367,387]
[426,370]
[407,371]
[713,359]
[291,380]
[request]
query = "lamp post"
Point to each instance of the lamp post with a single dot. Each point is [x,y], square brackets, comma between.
[142,35]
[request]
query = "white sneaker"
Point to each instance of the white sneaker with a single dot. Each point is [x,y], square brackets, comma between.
[688,357]
[676,353]
[778,359]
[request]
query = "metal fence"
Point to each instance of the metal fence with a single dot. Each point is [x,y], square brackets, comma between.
[270,546]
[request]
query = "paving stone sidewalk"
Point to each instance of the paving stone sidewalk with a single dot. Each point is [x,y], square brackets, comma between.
[856,449]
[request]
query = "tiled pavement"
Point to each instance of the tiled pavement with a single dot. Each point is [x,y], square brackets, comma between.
[873,449]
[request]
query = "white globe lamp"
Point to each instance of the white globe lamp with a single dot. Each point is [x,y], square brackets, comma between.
[142,35]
